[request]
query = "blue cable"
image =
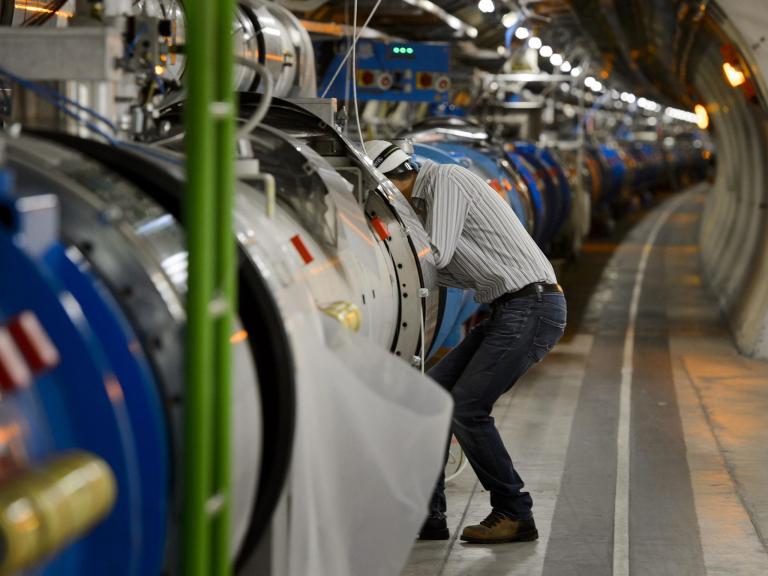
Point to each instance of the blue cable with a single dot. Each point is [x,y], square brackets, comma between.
[50,95]
[132,46]
[57,100]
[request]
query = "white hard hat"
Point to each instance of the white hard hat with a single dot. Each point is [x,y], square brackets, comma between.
[386,156]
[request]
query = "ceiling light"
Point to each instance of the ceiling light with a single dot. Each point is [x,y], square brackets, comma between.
[510,19]
[486,6]
[734,76]
[546,51]
[522,33]
[446,17]
[502,50]
[566,66]
[534,42]
[454,22]
[589,80]
[628,97]
[556,59]
[702,116]
[576,72]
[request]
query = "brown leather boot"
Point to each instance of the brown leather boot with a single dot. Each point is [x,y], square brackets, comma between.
[498,527]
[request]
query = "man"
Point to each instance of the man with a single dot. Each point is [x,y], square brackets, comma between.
[479,244]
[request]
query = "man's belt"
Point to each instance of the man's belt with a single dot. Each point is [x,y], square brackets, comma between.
[535,289]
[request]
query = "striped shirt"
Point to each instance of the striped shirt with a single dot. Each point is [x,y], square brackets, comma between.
[477,239]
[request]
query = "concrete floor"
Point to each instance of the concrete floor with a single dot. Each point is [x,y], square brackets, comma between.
[687,493]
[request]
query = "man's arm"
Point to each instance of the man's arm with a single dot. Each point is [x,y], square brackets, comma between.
[448,212]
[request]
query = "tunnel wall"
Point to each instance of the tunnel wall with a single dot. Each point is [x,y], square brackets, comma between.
[734,231]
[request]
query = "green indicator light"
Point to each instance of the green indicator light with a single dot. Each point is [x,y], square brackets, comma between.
[409,50]
[396,50]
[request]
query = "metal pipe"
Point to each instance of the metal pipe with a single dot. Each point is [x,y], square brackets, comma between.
[197,456]
[224,138]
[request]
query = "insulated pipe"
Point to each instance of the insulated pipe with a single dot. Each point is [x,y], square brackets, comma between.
[224,283]
[198,425]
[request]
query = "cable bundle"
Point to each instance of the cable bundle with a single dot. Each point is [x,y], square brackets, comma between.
[44,13]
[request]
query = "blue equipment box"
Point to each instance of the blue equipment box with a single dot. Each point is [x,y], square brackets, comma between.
[395,71]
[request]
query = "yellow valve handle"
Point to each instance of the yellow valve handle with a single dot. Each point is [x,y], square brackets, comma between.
[346,313]
[47,507]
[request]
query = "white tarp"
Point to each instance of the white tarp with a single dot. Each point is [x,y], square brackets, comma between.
[369,447]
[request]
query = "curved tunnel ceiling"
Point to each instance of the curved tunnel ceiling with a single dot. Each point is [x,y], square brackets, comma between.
[672,51]
[645,46]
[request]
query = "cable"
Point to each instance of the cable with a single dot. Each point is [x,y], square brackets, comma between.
[45,13]
[354,79]
[58,105]
[54,97]
[349,51]
[421,322]
[266,99]
[59,101]
[348,71]
[147,151]
[179,137]
[132,46]
[423,294]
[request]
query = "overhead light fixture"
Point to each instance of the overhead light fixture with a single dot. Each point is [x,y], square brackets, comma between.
[566,67]
[702,116]
[454,22]
[546,51]
[556,59]
[649,105]
[734,76]
[576,72]
[502,50]
[522,33]
[451,20]
[589,80]
[486,6]
[510,19]
[534,42]
[628,97]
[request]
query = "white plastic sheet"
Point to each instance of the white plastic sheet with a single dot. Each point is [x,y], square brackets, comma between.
[369,447]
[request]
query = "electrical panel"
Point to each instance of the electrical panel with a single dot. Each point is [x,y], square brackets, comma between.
[396,71]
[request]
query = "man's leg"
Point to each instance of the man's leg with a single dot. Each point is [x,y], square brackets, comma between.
[519,334]
[446,373]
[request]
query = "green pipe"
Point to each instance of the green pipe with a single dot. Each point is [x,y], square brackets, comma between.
[198,205]
[225,273]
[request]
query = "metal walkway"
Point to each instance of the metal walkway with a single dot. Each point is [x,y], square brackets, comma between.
[643,437]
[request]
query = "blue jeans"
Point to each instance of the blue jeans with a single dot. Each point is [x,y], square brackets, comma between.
[493,356]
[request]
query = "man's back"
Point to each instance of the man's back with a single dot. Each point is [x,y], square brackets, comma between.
[478,240]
